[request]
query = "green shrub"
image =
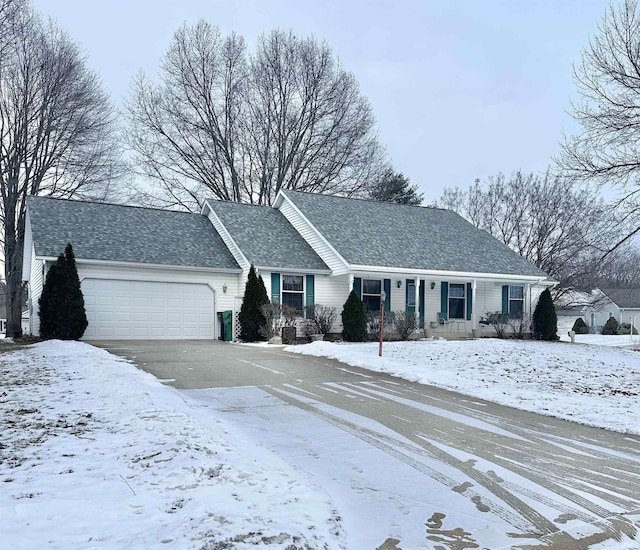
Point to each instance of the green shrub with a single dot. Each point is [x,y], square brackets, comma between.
[253,324]
[625,328]
[610,327]
[62,312]
[580,327]
[545,320]
[354,319]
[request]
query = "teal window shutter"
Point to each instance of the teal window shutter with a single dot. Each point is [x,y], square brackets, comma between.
[275,288]
[357,286]
[387,290]
[421,303]
[469,301]
[310,290]
[505,299]
[444,300]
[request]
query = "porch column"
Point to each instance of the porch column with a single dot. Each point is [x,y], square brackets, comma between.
[350,283]
[474,313]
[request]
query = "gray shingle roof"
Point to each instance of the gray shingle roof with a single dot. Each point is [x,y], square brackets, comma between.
[112,232]
[624,297]
[413,237]
[265,236]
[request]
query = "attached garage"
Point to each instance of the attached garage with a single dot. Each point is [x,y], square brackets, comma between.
[145,273]
[134,310]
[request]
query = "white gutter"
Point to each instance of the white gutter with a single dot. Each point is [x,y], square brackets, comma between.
[112,263]
[294,270]
[451,274]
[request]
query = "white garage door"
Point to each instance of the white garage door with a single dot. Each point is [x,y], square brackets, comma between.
[131,310]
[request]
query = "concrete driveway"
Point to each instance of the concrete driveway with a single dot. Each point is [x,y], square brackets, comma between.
[411,466]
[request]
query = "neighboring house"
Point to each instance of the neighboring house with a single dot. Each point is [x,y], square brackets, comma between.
[621,303]
[597,306]
[157,274]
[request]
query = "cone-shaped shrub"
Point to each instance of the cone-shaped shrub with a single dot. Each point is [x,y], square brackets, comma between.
[580,327]
[354,319]
[545,320]
[62,313]
[251,316]
[610,327]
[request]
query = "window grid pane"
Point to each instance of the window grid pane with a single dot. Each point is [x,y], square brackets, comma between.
[292,283]
[371,286]
[516,292]
[292,299]
[456,291]
[371,303]
[456,308]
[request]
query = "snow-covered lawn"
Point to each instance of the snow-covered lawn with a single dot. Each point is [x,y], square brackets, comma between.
[97,454]
[591,384]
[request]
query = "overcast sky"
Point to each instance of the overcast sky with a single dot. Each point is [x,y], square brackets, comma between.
[461,89]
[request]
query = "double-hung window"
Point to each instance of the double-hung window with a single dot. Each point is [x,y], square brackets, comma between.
[456,301]
[516,302]
[293,291]
[371,290]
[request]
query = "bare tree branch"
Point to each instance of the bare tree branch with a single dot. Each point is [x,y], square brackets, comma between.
[606,151]
[56,132]
[241,127]
[560,226]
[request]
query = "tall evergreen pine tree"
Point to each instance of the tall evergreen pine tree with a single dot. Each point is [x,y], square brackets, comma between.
[62,312]
[545,320]
[251,317]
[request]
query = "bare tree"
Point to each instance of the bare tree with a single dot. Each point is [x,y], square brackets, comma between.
[608,81]
[554,223]
[240,127]
[56,133]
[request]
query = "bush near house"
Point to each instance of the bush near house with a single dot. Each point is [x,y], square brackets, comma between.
[406,323]
[62,312]
[580,327]
[252,320]
[545,320]
[610,328]
[625,328]
[354,319]
[320,319]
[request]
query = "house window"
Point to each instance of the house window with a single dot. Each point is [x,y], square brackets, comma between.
[371,290]
[293,291]
[516,302]
[456,300]
[411,294]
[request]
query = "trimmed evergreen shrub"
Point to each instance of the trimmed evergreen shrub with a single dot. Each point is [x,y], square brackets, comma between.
[545,320]
[580,327]
[62,312]
[252,320]
[625,328]
[354,319]
[610,327]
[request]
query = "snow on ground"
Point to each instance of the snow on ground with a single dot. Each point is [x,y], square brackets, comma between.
[95,453]
[590,384]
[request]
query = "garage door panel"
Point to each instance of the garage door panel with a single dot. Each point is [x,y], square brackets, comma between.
[147,310]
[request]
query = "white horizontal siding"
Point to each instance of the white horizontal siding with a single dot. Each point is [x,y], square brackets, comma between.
[310,234]
[36,282]
[332,292]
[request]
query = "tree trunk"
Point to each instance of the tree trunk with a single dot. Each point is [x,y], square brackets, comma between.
[13,273]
